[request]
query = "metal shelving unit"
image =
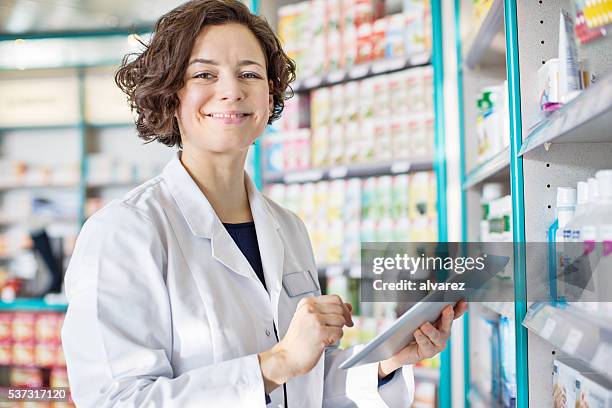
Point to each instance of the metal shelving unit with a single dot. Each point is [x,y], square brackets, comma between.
[559,150]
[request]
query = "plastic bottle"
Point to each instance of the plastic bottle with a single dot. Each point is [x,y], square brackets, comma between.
[490,192]
[566,204]
[604,238]
[587,237]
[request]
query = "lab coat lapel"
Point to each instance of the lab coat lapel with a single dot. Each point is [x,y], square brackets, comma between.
[270,243]
[202,219]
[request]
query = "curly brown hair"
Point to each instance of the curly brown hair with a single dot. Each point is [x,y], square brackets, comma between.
[151,79]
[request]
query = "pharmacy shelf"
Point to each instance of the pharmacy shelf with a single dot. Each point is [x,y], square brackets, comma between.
[114,184]
[479,42]
[361,71]
[586,119]
[479,399]
[31,304]
[39,127]
[490,168]
[345,172]
[427,374]
[577,333]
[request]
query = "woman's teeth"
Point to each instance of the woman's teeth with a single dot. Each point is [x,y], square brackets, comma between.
[225,115]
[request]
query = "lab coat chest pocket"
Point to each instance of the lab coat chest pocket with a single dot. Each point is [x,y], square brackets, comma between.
[296,286]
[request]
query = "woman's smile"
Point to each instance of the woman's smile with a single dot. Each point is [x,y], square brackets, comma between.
[229,117]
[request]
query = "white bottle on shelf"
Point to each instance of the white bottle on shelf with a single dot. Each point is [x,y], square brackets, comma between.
[582,225]
[587,237]
[604,238]
[566,205]
[490,192]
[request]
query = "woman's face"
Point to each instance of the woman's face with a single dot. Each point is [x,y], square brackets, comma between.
[226,101]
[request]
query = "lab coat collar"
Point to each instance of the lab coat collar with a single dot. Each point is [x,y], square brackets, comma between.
[196,208]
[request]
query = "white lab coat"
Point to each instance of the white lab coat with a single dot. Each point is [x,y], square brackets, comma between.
[165,311]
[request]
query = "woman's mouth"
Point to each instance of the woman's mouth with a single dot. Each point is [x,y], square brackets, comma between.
[229,118]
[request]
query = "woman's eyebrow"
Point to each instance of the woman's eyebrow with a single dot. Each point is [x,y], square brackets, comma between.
[242,63]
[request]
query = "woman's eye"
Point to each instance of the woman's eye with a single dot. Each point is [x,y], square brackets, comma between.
[250,75]
[203,75]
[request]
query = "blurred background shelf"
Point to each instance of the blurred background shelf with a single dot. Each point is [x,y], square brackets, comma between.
[479,42]
[362,71]
[345,172]
[489,169]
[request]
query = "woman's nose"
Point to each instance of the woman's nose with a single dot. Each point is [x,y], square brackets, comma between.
[230,89]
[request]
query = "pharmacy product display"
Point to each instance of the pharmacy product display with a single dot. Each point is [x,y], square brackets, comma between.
[340,214]
[574,384]
[327,35]
[584,235]
[378,119]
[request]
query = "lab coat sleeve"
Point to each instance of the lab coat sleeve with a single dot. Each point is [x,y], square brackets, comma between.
[358,386]
[117,334]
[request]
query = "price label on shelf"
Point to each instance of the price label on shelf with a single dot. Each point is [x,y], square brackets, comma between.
[358,71]
[602,360]
[338,172]
[572,341]
[400,167]
[380,66]
[304,176]
[336,76]
[548,328]
[312,82]
[421,58]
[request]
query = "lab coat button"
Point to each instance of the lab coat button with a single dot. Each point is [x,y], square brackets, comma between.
[267,332]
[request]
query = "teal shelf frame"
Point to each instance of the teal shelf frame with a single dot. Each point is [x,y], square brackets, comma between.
[31,305]
[463,178]
[517,191]
[518,202]
[437,60]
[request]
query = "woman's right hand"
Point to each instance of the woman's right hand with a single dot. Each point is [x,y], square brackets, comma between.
[316,324]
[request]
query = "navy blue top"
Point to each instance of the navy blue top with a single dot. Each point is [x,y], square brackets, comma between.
[245,236]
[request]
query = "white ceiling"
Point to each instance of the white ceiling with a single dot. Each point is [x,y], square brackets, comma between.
[35,16]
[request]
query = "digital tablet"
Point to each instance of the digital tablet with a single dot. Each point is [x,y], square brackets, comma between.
[400,333]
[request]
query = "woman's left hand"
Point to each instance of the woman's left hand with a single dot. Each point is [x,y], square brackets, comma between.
[430,339]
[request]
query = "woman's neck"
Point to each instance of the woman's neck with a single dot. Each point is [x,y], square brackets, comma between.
[221,179]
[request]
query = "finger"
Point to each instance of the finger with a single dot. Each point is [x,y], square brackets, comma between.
[426,348]
[460,308]
[349,315]
[335,299]
[433,334]
[332,335]
[327,308]
[333,320]
[446,321]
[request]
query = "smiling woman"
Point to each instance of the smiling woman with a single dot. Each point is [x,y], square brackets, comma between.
[152,79]
[195,289]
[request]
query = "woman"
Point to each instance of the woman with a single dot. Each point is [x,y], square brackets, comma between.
[195,289]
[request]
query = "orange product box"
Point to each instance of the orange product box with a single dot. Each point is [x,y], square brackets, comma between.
[45,354]
[6,353]
[379,31]
[23,326]
[46,327]
[365,46]
[6,326]
[24,353]
[26,377]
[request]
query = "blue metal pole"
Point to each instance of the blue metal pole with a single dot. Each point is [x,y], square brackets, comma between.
[440,168]
[464,217]
[518,209]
